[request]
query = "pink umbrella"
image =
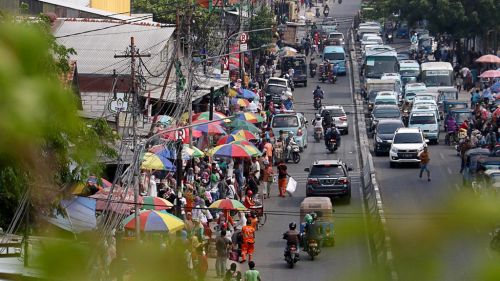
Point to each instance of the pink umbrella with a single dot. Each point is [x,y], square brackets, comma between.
[490,74]
[488,59]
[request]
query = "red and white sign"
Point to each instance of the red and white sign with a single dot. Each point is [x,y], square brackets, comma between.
[243,38]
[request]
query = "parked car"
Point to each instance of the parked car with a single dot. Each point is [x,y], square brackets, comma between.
[406,145]
[339,117]
[328,178]
[384,133]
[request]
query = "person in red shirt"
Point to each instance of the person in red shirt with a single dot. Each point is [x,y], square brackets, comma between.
[249,203]
[465,125]
[247,247]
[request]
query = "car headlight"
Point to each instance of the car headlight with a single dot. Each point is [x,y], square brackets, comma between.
[379,139]
[394,150]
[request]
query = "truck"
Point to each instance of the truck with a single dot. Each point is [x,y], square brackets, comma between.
[380,85]
[293,34]
[298,63]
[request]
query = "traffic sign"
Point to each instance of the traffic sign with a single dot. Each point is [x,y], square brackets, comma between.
[244,38]
[243,47]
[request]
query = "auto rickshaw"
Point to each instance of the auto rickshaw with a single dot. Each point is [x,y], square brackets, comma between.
[471,163]
[487,183]
[460,115]
[323,208]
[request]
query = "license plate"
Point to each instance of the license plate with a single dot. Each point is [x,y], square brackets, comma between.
[407,155]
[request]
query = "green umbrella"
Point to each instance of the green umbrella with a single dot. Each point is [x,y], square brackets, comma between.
[238,124]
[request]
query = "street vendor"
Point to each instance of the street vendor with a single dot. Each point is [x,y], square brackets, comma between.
[249,202]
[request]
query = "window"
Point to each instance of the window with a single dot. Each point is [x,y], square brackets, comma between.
[422,119]
[285,121]
[388,128]
[327,170]
[335,112]
[334,56]
[385,113]
[408,138]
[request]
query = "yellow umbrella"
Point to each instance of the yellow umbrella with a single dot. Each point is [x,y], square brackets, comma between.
[151,161]
[232,93]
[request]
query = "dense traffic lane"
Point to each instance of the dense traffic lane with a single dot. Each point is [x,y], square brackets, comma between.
[350,256]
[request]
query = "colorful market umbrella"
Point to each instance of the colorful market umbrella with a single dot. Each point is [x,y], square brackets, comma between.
[246,134]
[155,203]
[120,200]
[488,59]
[208,128]
[228,204]
[151,161]
[240,102]
[247,94]
[189,152]
[250,117]
[154,221]
[495,87]
[238,124]
[229,139]
[163,151]
[229,151]
[490,74]
[182,133]
[206,116]
[232,93]
[250,147]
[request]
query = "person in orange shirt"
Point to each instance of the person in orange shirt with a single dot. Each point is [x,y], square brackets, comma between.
[247,247]
[268,150]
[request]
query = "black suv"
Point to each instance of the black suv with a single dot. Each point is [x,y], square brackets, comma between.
[328,178]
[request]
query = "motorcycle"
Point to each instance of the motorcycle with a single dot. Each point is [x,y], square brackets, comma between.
[291,255]
[317,103]
[317,13]
[406,117]
[313,248]
[332,145]
[389,38]
[312,70]
[323,77]
[326,11]
[332,78]
[293,150]
[318,133]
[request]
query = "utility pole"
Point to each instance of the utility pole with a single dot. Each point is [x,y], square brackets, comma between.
[135,104]
[211,109]
[241,55]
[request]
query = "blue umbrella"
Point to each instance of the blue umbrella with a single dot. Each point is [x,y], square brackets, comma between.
[247,94]
[496,87]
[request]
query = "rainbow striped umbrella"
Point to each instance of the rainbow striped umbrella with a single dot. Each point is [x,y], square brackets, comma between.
[245,134]
[240,102]
[227,204]
[229,138]
[250,147]
[154,221]
[229,150]
[250,117]
[208,128]
[189,152]
[163,151]
[238,124]
[155,203]
[151,161]
[206,116]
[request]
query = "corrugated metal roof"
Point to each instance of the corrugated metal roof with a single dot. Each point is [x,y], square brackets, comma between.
[96,49]
[81,6]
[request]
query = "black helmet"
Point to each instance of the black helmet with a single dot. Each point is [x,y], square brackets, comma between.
[318,87]
[314,216]
[292,226]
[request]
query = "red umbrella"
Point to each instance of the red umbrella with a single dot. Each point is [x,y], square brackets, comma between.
[121,201]
[213,128]
[488,59]
[490,74]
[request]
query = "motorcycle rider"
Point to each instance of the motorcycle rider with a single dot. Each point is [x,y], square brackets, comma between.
[327,120]
[291,237]
[326,10]
[312,66]
[318,94]
[289,141]
[317,123]
[451,128]
[332,133]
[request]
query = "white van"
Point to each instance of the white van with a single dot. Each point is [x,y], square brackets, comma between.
[428,122]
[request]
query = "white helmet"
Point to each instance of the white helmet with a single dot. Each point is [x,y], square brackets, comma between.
[318,116]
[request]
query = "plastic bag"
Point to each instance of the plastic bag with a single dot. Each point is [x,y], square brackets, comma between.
[292,185]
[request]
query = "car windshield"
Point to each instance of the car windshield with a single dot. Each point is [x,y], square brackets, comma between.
[335,36]
[422,119]
[274,89]
[409,95]
[285,121]
[389,128]
[372,96]
[278,82]
[408,138]
[408,79]
[386,113]
[334,56]
[437,78]
[460,118]
[334,112]
[327,170]
[386,102]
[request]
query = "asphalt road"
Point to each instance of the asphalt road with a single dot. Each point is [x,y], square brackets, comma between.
[425,244]
[351,254]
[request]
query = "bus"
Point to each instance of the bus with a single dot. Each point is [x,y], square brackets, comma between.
[379,60]
[336,55]
[436,75]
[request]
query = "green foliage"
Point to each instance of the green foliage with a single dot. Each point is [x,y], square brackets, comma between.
[263,19]
[38,117]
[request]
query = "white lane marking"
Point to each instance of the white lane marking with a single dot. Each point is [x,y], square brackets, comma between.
[441,154]
[456,187]
[449,170]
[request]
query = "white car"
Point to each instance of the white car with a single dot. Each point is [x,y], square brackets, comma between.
[280,81]
[406,145]
[339,117]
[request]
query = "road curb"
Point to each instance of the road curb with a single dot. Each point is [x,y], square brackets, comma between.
[379,236]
